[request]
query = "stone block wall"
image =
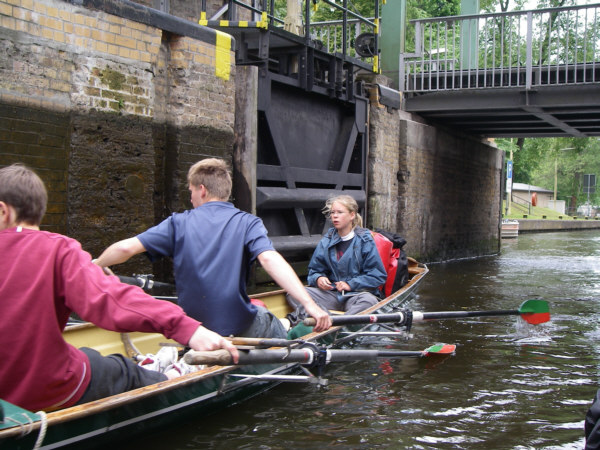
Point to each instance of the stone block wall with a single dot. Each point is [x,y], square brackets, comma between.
[450,202]
[111,108]
[383,167]
[39,139]
[438,189]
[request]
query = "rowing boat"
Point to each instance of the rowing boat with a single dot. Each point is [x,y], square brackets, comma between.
[203,392]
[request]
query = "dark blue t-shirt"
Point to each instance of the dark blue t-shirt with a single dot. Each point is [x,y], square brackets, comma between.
[213,247]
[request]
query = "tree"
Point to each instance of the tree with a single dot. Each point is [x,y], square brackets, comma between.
[540,159]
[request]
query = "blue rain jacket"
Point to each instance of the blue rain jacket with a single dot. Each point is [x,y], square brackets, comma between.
[360,266]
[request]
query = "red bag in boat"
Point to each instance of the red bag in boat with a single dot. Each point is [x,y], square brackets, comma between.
[389,257]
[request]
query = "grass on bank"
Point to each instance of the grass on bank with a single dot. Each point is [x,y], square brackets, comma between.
[537,213]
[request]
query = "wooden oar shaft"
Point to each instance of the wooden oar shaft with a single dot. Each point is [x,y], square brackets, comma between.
[261,342]
[301,356]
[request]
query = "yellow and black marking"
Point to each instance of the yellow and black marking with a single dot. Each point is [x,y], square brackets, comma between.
[222,55]
[233,23]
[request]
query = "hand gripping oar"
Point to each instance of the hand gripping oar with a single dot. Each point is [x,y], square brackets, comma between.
[532,311]
[309,355]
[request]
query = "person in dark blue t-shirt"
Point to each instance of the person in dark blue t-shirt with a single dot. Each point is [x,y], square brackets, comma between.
[213,247]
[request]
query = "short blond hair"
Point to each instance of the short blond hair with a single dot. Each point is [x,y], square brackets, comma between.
[214,175]
[349,203]
[24,190]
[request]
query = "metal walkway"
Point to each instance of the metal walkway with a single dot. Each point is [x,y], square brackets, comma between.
[518,74]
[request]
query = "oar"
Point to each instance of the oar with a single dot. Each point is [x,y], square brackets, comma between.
[263,342]
[532,311]
[308,355]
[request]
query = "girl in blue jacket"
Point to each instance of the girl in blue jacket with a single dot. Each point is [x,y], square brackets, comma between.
[345,271]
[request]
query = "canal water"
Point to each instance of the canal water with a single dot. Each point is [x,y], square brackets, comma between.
[509,386]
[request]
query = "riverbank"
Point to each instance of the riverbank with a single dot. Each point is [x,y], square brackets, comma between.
[534,225]
[538,219]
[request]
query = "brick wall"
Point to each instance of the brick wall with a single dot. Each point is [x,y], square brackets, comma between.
[439,190]
[39,140]
[449,206]
[98,103]
[383,166]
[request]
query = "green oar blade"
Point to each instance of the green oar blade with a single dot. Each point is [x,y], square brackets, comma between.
[440,349]
[535,311]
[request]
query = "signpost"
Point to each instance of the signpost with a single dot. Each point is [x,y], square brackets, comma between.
[509,177]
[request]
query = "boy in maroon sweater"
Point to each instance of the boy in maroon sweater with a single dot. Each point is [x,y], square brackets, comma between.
[46,276]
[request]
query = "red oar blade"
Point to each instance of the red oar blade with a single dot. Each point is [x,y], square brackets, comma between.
[440,349]
[535,311]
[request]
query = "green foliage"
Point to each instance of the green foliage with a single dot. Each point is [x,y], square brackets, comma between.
[569,159]
[432,8]
[325,12]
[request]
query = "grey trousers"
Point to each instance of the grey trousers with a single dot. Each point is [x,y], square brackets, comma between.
[328,300]
[265,325]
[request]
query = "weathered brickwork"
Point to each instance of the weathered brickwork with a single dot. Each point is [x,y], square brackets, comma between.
[440,191]
[111,112]
[449,206]
[383,166]
[40,140]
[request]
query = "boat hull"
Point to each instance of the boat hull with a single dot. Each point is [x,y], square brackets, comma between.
[204,392]
[510,229]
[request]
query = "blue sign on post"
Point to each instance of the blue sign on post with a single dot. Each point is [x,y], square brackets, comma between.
[509,175]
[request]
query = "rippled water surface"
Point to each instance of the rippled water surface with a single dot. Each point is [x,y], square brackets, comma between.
[509,386]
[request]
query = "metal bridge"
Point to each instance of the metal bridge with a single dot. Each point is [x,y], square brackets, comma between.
[529,74]
[516,74]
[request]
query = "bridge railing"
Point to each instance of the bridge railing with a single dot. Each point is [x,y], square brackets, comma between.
[350,34]
[339,37]
[513,49]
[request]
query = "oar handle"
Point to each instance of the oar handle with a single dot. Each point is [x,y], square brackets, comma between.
[398,318]
[210,358]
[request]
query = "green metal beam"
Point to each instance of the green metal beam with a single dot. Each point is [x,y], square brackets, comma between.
[468,33]
[391,40]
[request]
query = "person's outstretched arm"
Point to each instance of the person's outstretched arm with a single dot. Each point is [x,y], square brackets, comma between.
[284,276]
[119,252]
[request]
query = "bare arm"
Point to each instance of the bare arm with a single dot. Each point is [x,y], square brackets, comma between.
[119,252]
[284,276]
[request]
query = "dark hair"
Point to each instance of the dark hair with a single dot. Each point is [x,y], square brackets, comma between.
[21,188]
[213,174]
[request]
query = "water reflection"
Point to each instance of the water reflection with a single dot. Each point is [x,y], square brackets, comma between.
[509,386]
